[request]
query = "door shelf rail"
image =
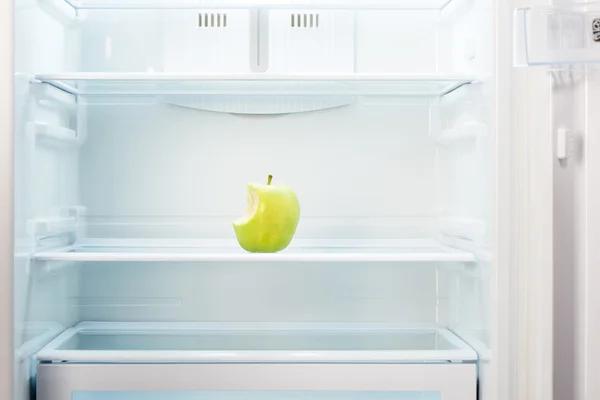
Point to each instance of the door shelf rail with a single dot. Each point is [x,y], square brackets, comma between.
[202,251]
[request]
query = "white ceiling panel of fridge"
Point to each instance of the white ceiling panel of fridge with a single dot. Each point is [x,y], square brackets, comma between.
[245,4]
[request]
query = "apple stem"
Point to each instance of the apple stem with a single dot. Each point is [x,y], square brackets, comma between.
[270,179]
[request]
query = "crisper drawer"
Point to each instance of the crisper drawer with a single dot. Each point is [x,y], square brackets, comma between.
[181,361]
[256,381]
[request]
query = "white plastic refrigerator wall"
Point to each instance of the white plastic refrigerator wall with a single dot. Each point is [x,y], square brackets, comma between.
[138,125]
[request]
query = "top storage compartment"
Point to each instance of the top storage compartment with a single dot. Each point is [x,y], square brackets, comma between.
[241,37]
[315,4]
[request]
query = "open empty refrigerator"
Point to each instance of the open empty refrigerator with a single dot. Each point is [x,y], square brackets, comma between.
[419,136]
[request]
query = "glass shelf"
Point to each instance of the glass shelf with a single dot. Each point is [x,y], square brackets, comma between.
[256,342]
[290,4]
[256,85]
[345,251]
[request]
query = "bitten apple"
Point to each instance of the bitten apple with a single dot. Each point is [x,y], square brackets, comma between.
[270,220]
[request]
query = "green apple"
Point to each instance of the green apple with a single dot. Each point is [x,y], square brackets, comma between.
[271,219]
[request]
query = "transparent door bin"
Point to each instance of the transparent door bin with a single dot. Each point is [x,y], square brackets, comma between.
[557,35]
[95,361]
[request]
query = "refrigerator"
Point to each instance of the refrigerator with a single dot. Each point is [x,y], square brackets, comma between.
[441,152]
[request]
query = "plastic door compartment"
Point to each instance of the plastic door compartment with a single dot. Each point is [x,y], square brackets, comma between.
[557,35]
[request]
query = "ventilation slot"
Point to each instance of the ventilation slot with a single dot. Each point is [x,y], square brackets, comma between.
[304,20]
[212,20]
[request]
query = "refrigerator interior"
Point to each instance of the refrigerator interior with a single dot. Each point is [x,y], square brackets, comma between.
[138,126]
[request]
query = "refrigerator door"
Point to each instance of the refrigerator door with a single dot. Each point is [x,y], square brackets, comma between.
[562,42]
[532,281]
[520,365]
[7,358]
[586,272]
[526,222]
